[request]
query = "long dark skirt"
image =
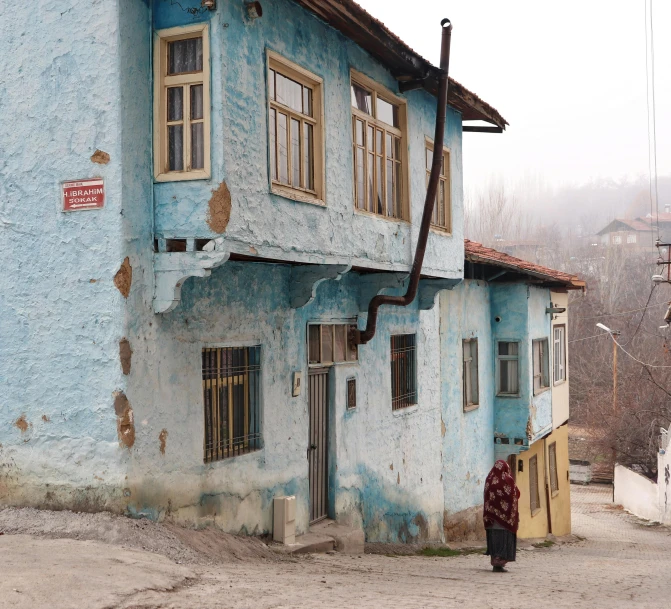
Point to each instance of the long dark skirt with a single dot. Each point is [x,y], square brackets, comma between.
[501,543]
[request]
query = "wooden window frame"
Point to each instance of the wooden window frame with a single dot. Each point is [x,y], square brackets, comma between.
[500,358]
[544,362]
[377,90]
[161,83]
[631,239]
[562,348]
[351,354]
[445,179]
[467,376]
[553,472]
[317,196]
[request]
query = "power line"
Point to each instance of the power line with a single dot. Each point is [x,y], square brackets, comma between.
[635,358]
[649,306]
[640,321]
[650,87]
[577,340]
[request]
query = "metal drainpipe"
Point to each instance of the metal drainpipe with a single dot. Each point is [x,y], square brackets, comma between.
[361,338]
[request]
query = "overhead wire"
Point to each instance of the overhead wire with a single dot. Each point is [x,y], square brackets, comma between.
[648,306]
[634,357]
[652,111]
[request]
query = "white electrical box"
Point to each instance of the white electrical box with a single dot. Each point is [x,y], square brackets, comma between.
[284,519]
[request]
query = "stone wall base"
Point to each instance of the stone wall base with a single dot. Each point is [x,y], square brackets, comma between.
[466,525]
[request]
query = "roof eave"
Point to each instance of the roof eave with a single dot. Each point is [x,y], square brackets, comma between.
[373,36]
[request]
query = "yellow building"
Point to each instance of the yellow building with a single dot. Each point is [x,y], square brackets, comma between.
[542,472]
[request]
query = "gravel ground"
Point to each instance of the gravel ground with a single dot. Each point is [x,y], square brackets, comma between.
[619,562]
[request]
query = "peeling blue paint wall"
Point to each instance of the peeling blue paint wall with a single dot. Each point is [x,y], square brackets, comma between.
[277,227]
[244,303]
[61,316]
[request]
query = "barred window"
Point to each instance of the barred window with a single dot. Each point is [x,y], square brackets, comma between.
[231,392]
[403,371]
[554,478]
[470,347]
[534,497]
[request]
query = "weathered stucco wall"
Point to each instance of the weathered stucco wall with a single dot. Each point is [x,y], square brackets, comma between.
[467,437]
[560,500]
[539,327]
[275,227]
[61,315]
[244,303]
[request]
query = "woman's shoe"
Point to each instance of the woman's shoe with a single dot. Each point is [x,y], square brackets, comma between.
[499,569]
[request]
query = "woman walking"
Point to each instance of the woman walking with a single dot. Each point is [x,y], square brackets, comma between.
[501,515]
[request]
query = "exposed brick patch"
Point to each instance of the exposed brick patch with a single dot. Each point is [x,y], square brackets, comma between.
[219,212]
[124,278]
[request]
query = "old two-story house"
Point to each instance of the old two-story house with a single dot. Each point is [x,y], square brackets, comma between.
[199,201]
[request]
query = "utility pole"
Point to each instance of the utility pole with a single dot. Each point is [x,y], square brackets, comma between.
[613,334]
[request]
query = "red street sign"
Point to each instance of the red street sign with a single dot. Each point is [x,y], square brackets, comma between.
[83,194]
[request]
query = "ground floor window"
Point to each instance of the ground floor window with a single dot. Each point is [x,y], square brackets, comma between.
[534,497]
[231,395]
[554,478]
[331,344]
[403,370]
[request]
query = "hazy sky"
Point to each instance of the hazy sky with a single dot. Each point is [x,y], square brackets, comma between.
[568,76]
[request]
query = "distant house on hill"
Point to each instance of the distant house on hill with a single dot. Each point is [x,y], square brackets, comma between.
[639,233]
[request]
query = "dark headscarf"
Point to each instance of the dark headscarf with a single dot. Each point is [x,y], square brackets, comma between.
[501,496]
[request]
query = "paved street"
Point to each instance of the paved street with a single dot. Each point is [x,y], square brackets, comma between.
[621,563]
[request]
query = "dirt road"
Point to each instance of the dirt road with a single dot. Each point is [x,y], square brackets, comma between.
[621,563]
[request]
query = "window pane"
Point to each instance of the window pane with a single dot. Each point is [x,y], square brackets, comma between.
[185,56]
[175,103]
[196,102]
[371,139]
[379,179]
[389,148]
[308,158]
[387,113]
[508,376]
[360,185]
[307,101]
[429,157]
[273,145]
[371,182]
[397,189]
[313,344]
[352,349]
[358,127]
[295,152]
[289,92]
[282,147]
[442,165]
[390,188]
[361,99]
[327,344]
[175,148]
[271,84]
[508,348]
[197,146]
[340,342]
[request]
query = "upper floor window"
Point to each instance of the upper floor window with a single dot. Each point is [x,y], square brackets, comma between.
[508,368]
[442,209]
[541,365]
[295,131]
[559,357]
[379,143]
[182,104]
[631,238]
[617,239]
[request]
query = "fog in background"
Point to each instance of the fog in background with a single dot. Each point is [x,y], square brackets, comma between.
[570,78]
